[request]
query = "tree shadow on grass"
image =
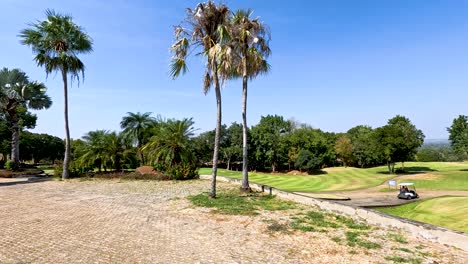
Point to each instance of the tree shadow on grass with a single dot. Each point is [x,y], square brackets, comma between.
[410,170]
[317,172]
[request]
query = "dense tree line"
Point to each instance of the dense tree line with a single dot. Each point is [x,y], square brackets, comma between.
[34,147]
[279,144]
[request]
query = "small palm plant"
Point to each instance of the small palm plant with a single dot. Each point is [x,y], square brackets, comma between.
[171,144]
[17,91]
[57,42]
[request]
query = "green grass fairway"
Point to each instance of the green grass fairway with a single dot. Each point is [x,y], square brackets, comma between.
[441,176]
[449,212]
[336,179]
[426,175]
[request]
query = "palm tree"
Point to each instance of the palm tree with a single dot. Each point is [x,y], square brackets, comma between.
[171,145]
[15,91]
[94,151]
[250,42]
[136,127]
[205,28]
[57,42]
[104,149]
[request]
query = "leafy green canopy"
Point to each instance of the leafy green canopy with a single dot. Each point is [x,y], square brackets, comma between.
[459,135]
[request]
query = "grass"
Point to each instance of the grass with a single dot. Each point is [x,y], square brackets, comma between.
[353,239]
[448,211]
[398,238]
[443,176]
[399,259]
[334,179]
[233,203]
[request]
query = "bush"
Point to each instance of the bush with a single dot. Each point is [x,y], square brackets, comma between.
[132,176]
[74,170]
[9,165]
[184,171]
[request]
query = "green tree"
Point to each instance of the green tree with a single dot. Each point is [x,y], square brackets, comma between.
[232,148]
[205,28]
[399,140]
[459,135]
[57,42]
[249,40]
[307,144]
[15,91]
[41,147]
[103,149]
[94,152]
[306,160]
[267,137]
[172,143]
[365,148]
[136,127]
[344,149]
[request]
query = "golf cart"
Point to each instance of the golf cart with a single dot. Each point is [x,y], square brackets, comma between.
[407,191]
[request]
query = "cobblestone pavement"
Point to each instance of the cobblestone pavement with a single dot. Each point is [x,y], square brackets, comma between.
[150,222]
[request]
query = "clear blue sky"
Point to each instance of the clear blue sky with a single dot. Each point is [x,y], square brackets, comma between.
[335,64]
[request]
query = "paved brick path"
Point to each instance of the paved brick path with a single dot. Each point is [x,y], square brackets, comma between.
[145,222]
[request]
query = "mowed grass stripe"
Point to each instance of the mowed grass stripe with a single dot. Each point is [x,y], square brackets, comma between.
[444,176]
[449,212]
[345,179]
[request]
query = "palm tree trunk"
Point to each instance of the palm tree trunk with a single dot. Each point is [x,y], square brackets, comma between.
[14,139]
[217,132]
[245,169]
[139,151]
[66,160]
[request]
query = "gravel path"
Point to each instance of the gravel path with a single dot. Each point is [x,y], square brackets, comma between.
[151,222]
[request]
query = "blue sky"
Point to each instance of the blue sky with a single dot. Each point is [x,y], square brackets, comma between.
[335,64]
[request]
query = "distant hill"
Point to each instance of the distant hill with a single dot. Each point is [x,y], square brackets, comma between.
[432,141]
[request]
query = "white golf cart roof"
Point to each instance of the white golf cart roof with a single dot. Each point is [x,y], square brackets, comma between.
[406,184]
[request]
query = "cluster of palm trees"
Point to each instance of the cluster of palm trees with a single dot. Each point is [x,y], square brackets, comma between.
[234,45]
[144,140]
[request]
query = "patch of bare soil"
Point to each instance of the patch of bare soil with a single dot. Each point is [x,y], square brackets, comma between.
[146,170]
[19,173]
[421,176]
[296,172]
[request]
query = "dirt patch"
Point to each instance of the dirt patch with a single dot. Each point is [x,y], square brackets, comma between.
[296,172]
[146,170]
[22,172]
[422,176]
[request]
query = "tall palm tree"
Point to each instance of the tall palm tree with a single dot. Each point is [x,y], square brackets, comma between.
[16,90]
[57,42]
[206,27]
[249,40]
[171,145]
[135,127]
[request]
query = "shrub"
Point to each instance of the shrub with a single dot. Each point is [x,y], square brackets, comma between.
[132,176]
[9,165]
[73,169]
[183,171]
